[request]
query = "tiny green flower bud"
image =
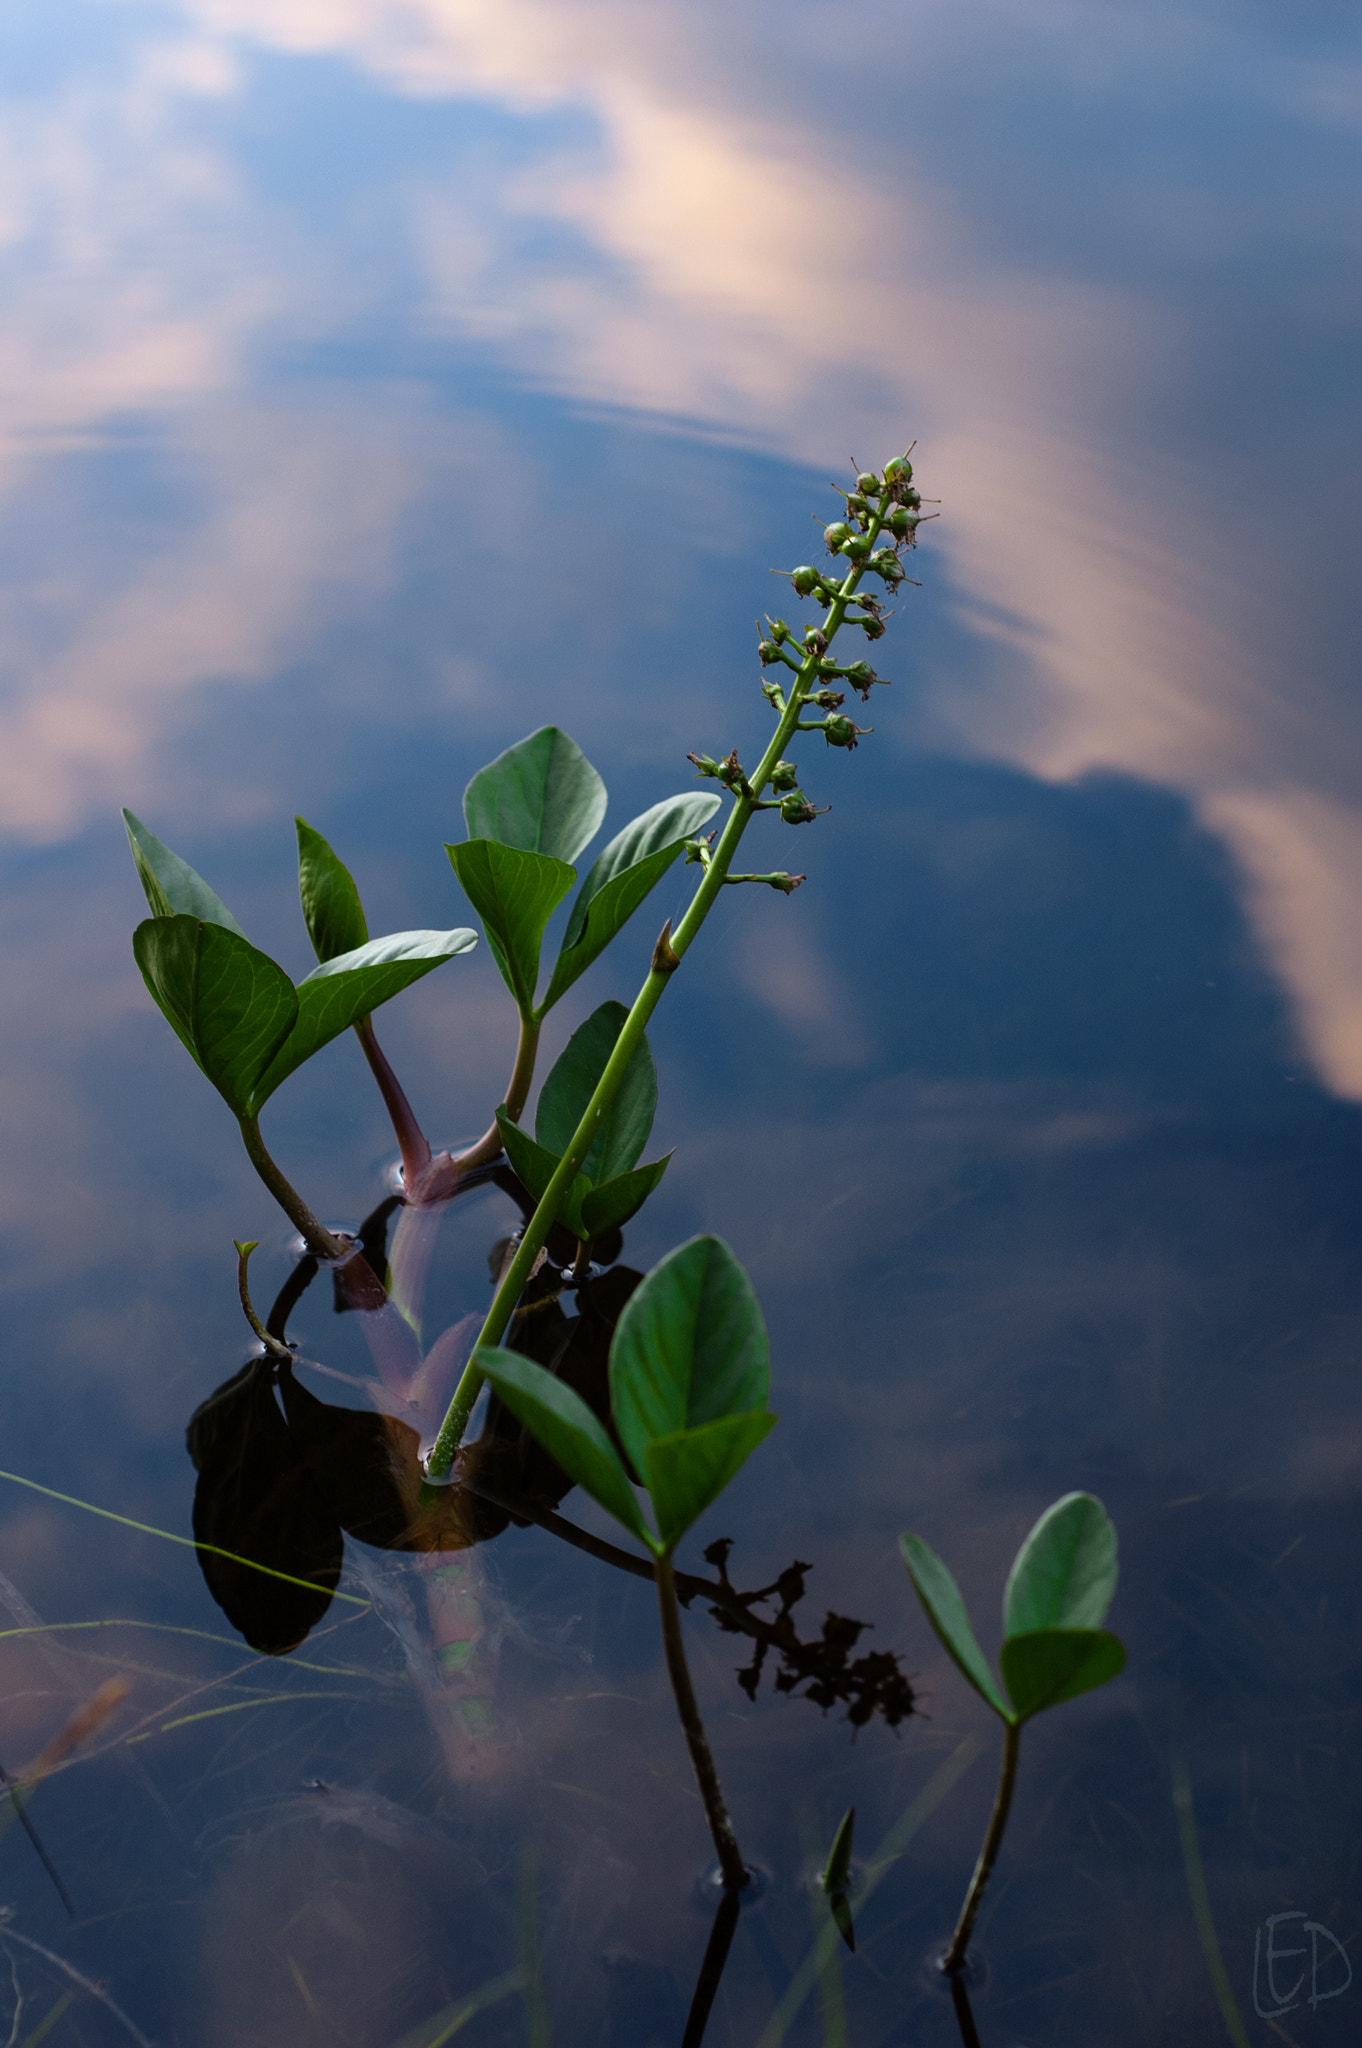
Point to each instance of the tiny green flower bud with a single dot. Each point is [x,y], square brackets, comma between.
[784,776]
[856,547]
[703,764]
[774,695]
[835,534]
[868,484]
[767,652]
[805,581]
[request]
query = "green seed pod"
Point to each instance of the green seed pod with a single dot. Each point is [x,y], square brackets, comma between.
[805,581]
[839,730]
[784,776]
[899,471]
[912,499]
[860,675]
[886,563]
[868,484]
[903,525]
[856,547]
[796,809]
[780,632]
[857,505]
[767,652]
[835,534]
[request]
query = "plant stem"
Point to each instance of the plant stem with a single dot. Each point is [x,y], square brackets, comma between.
[734,1871]
[711,1969]
[359,1282]
[445,1172]
[954,1958]
[522,1073]
[668,953]
[412,1142]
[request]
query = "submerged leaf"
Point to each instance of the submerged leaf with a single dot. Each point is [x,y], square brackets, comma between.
[542,795]
[171,887]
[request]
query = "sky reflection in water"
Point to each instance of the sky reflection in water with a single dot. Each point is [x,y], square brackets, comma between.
[382,383]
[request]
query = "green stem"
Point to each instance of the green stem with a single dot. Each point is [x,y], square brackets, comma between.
[954,1958]
[735,1875]
[315,1235]
[522,1073]
[667,956]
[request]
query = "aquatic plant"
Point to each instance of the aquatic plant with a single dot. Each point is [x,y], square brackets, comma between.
[1061,1584]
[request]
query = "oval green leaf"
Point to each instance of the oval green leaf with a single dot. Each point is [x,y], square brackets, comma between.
[945,1610]
[1064,1575]
[170,885]
[623,874]
[515,894]
[610,1206]
[341,991]
[536,1168]
[686,1472]
[1043,1669]
[541,795]
[690,1347]
[561,1421]
[332,911]
[230,1006]
[623,1130]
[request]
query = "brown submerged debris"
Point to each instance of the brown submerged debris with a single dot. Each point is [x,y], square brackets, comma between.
[866,1686]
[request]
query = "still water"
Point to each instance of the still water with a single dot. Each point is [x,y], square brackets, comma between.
[384,383]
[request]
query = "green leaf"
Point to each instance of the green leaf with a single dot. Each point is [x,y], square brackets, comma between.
[515,894]
[837,1871]
[230,1005]
[561,1421]
[624,1128]
[1064,1575]
[623,874]
[332,911]
[537,1167]
[341,991]
[541,795]
[686,1471]
[945,1610]
[689,1348]
[170,885]
[1050,1665]
[611,1205]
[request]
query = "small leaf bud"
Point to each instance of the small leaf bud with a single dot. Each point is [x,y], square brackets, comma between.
[805,581]
[868,484]
[835,534]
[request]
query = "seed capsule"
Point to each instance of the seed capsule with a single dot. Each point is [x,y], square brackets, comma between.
[886,563]
[856,547]
[767,652]
[856,504]
[839,730]
[912,498]
[902,524]
[835,534]
[796,809]
[805,580]
[868,484]
[899,471]
[784,776]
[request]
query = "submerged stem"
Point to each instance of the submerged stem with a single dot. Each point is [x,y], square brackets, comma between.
[735,1875]
[954,1958]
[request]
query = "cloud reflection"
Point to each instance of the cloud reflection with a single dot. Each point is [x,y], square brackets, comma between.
[807,274]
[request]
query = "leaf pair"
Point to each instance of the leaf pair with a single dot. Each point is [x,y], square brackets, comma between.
[235,1010]
[1058,1592]
[610,1185]
[690,1373]
[530,813]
